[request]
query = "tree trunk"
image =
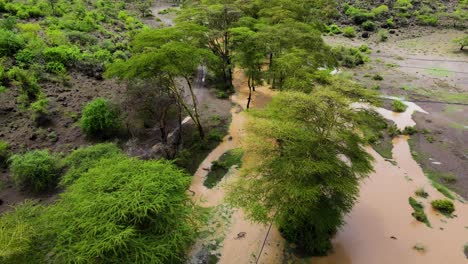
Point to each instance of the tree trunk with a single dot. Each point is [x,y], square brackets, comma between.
[249,99]
[162,126]
[195,106]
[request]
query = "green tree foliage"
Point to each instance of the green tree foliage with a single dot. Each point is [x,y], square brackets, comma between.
[83,159]
[100,118]
[118,210]
[166,55]
[308,162]
[36,171]
[444,206]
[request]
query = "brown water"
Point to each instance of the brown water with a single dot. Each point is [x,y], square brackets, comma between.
[381,213]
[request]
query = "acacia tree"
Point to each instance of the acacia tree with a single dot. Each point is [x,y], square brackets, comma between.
[218,17]
[308,163]
[249,54]
[166,58]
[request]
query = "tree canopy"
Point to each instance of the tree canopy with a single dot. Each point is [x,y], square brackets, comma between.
[306,162]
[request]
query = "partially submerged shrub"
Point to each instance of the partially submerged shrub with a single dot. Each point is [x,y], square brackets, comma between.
[377,77]
[100,118]
[399,106]
[421,193]
[418,213]
[444,206]
[36,171]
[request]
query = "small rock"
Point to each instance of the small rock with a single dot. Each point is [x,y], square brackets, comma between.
[206,169]
[1,201]
[33,137]
[241,235]
[392,31]
[392,237]
[365,35]
[230,138]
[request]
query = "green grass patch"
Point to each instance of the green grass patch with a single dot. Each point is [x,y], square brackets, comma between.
[418,213]
[399,106]
[220,167]
[439,72]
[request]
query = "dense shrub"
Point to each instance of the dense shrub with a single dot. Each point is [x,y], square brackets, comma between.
[66,55]
[444,206]
[10,42]
[36,171]
[82,159]
[4,153]
[349,32]
[56,67]
[122,211]
[100,118]
[81,38]
[334,29]
[399,106]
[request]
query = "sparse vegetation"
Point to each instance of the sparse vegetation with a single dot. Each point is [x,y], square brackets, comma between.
[421,193]
[4,153]
[349,32]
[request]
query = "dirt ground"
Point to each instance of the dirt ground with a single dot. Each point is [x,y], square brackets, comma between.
[423,65]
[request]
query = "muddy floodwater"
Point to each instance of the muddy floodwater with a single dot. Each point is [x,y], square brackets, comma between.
[380,228]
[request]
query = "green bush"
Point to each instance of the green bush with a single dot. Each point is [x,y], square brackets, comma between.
[382,35]
[83,159]
[349,32]
[66,55]
[368,25]
[427,20]
[390,23]
[100,118]
[444,206]
[4,153]
[122,211]
[380,10]
[364,48]
[39,111]
[421,193]
[410,130]
[10,42]
[348,57]
[81,38]
[334,29]
[56,68]
[35,171]
[399,106]
[27,82]
[359,15]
